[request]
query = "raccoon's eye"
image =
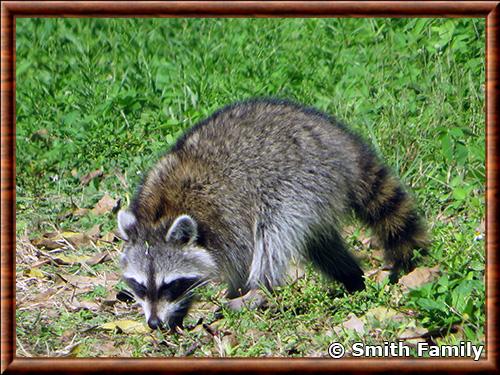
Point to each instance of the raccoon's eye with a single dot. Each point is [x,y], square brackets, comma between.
[138,288]
[176,288]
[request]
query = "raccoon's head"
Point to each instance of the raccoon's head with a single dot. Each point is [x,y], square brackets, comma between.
[162,267]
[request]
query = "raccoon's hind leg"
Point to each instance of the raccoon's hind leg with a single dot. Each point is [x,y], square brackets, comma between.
[390,212]
[326,250]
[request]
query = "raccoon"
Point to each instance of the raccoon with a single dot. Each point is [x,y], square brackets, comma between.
[250,188]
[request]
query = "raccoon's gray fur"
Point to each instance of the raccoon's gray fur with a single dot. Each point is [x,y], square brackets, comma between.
[243,192]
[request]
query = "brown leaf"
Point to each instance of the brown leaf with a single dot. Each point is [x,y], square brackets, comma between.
[99,258]
[84,305]
[51,241]
[353,323]
[108,237]
[413,333]
[378,255]
[84,284]
[126,326]
[110,349]
[383,314]
[444,217]
[106,204]
[63,259]
[65,214]
[109,302]
[42,299]
[252,300]
[378,275]
[74,211]
[381,276]
[40,135]
[418,277]
[191,349]
[67,335]
[122,179]
[69,351]
[94,232]
[77,239]
[90,176]
[34,272]
[78,212]
[56,240]
[227,342]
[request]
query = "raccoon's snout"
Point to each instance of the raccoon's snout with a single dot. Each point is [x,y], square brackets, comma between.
[154,322]
[173,321]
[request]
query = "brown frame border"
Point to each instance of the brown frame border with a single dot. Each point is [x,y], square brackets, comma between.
[10,10]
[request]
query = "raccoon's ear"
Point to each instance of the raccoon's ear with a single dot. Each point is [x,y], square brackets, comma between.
[184,230]
[126,221]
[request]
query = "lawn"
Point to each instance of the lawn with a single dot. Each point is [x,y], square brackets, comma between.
[99,100]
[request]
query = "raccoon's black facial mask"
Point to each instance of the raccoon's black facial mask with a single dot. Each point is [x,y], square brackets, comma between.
[138,288]
[177,288]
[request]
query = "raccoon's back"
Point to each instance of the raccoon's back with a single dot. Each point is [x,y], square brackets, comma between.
[265,143]
[254,158]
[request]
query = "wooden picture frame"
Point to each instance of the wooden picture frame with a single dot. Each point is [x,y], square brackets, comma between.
[10,10]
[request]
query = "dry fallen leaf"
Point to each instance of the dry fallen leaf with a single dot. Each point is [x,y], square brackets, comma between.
[84,284]
[40,134]
[382,314]
[90,176]
[78,212]
[252,300]
[98,258]
[39,300]
[106,204]
[353,323]
[378,275]
[110,349]
[84,305]
[51,241]
[224,344]
[94,232]
[63,259]
[382,276]
[71,350]
[412,333]
[108,237]
[418,277]
[77,239]
[191,349]
[122,179]
[378,255]
[444,217]
[126,326]
[74,211]
[56,240]
[34,272]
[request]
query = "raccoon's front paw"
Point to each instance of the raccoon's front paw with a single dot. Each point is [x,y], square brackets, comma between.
[398,269]
[254,299]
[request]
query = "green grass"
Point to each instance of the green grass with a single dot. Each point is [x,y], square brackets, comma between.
[113,94]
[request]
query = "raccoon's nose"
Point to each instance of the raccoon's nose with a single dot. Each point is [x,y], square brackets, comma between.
[154,322]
